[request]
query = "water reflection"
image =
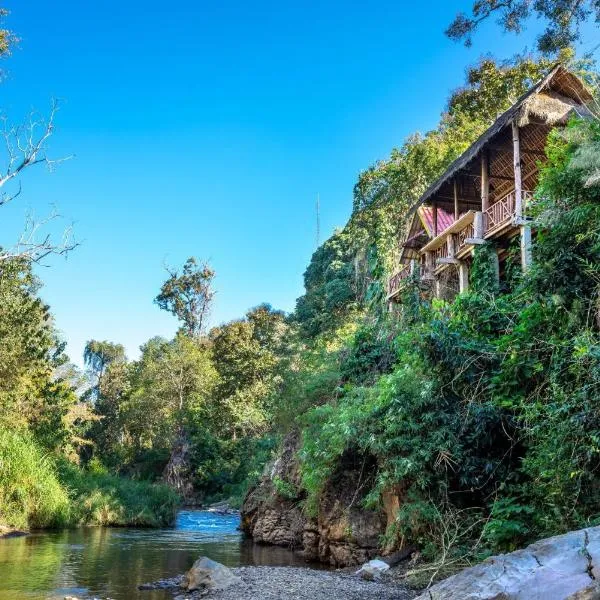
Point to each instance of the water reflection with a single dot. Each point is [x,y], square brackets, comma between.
[113,562]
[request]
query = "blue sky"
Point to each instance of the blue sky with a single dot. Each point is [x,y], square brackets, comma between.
[208,129]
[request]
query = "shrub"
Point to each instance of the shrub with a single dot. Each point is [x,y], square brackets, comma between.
[30,492]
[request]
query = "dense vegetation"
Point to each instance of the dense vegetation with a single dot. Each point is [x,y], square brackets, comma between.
[479,412]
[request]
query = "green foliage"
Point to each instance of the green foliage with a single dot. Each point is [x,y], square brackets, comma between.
[488,420]
[189,295]
[563,18]
[30,492]
[285,489]
[36,493]
[98,498]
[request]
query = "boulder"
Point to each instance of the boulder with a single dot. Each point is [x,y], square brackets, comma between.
[373,570]
[563,567]
[209,574]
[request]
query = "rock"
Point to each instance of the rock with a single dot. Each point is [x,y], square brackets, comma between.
[373,570]
[209,574]
[343,533]
[564,567]
[591,592]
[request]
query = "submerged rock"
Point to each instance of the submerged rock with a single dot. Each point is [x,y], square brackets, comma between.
[209,574]
[563,567]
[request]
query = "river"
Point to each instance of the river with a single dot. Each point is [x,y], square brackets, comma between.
[110,562]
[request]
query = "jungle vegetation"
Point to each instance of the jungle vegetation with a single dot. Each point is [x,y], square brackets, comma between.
[481,410]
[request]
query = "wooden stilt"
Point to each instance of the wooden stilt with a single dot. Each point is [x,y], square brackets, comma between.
[517,171]
[525,247]
[455,200]
[485,182]
[463,277]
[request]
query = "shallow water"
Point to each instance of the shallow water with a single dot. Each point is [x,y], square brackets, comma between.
[112,562]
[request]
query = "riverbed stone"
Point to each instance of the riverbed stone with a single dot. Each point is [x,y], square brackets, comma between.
[373,570]
[209,574]
[563,567]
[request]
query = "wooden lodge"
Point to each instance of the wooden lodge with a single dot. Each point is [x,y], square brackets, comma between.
[483,196]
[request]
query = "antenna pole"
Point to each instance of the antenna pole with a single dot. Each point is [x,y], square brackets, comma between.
[318,220]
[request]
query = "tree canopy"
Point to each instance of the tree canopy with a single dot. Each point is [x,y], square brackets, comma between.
[563,18]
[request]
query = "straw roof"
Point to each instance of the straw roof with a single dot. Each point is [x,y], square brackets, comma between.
[552,100]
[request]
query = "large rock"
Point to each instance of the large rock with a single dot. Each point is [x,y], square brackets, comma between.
[342,533]
[268,517]
[209,574]
[565,567]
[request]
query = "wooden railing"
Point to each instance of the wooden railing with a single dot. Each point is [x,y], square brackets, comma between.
[396,280]
[464,234]
[503,210]
[441,252]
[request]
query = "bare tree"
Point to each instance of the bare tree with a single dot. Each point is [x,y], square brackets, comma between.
[24,146]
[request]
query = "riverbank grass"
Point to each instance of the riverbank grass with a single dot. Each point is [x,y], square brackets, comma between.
[31,495]
[98,498]
[37,492]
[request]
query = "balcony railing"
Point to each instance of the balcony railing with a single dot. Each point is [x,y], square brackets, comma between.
[441,252]
[463,235]
[501,212]
[396,280]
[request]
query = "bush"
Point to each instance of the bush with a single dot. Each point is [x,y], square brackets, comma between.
[36,493]
[98,498]
[30,492]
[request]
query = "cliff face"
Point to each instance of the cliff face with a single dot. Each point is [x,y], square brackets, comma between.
[342,533]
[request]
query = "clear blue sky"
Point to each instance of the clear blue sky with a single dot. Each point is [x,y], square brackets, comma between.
[208,129]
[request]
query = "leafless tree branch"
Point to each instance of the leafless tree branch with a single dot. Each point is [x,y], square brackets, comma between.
[24,146]
[35,247]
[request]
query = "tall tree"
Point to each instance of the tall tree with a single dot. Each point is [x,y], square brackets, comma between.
[97,356]
[189,295]
[563,19]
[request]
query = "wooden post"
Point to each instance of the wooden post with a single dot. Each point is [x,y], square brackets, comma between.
[517,170]
[496,261]
[435,220]
[455,200]
[463,277]
[485,182]
[525,247]
[478,225]
[450,244]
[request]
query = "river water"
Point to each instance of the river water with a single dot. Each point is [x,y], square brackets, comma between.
[112,562]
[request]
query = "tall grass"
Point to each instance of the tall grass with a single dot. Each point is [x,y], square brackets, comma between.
[30,492]
[98,498]
[36,492]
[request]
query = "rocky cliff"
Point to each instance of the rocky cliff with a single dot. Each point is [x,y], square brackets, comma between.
[341,533]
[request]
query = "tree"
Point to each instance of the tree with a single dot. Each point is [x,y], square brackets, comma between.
[172,385]
[97,356]
[246,354]
[189,295]
[563,20]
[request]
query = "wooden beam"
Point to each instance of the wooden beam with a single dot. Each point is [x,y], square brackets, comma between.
[503,177]
[455,199]
[517,170]
[523,150]
[485,182]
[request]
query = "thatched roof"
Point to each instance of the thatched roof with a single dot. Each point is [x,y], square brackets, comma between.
[552,100]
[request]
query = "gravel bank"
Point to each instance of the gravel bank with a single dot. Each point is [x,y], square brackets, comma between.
[288,583]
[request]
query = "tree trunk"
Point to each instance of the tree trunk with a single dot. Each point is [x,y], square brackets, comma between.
[177,471]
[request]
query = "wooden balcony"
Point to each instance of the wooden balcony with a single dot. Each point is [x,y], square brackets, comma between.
[396,281]
[500,215]
[454,242]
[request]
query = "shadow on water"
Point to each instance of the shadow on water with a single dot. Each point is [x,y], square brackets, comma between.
[111,562]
